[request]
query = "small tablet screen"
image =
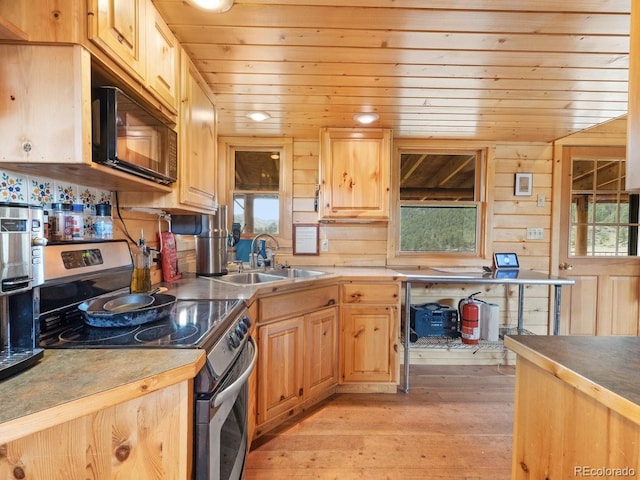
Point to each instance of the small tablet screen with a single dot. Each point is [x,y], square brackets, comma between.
[506,260]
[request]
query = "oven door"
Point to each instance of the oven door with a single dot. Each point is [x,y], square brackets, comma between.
[221,422]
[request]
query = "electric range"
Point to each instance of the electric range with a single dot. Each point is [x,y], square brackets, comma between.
[80,272]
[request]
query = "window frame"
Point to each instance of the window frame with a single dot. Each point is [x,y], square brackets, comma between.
[229,145]
[483,186]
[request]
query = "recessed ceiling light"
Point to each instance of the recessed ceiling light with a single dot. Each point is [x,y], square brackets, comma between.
[366,118]
[216,6]
[258,116]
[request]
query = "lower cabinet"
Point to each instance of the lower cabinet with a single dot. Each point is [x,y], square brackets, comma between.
[145,438]
[297,355]
[369,335]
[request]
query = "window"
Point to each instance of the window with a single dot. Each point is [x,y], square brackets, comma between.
[439,201]
[256,197]
[603,217]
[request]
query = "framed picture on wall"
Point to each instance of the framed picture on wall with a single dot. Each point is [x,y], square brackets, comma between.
[524,184]
[305,239]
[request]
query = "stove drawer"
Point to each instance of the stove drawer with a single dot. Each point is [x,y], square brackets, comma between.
[297,303]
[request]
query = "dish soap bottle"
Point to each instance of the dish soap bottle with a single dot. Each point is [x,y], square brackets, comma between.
[141,279]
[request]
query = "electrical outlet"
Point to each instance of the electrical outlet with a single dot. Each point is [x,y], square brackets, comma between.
[535,233]
[324,245]
[541,200]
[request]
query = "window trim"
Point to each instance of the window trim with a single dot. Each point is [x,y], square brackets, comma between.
[228,146]
[484,187]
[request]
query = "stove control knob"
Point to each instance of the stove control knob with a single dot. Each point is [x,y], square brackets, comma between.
[246,321]
[239,332]
[234,341]
[242,329]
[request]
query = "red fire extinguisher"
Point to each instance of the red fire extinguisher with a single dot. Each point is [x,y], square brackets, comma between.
[470,323]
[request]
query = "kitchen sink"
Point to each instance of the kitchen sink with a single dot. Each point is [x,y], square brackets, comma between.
[294,272]
[267,276]
[250,278]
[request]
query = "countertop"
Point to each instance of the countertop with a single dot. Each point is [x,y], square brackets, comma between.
[194,288]
[606,368]
[477,275]
[67,384]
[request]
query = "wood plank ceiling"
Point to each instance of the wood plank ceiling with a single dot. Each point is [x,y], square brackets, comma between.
[525,70]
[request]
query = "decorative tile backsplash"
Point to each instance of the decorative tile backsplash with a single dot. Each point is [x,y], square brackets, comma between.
[20,188]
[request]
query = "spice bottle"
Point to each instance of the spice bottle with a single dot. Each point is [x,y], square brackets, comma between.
[77,229]
[61,221]
[103,224]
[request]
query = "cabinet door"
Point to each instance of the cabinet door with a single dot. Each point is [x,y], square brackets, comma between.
[117,27]
[633,117]
[368,343]
[355,173]
[197,171]
[163,60]
[280,367]
[321,351]
[39,127]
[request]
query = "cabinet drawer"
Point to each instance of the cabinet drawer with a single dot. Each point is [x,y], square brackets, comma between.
[297,303]
[378,293]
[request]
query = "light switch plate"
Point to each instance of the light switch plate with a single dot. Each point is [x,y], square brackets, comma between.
[535,233]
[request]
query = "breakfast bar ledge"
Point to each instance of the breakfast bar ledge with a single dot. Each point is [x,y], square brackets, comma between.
[472,275]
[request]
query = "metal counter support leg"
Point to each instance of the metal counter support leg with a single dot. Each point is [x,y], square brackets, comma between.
[556,310]
[520,307]
[407,335]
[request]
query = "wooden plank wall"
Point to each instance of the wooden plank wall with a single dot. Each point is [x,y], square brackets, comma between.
[366,244]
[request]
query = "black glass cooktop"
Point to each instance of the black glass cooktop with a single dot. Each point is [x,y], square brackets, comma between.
[191,324]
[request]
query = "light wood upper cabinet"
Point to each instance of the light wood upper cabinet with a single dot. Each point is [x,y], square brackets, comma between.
[633,116]
[355,173]
[118,28]
[195,190]
[132,34]
[198,162]
[163,59]
[46,118]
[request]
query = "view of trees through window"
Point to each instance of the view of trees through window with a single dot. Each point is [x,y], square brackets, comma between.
[256,199]
[439,204]
[604,217]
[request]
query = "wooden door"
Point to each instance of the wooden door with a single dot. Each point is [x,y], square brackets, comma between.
[118,28]
[280,367]
[198,163]
[367,334]
[321,351]
[163,60]
[604,300]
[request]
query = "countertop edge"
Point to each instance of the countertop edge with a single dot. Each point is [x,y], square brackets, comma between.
[92,402]
[589,387]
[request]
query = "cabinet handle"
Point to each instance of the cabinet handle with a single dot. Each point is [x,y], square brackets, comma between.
[331,302]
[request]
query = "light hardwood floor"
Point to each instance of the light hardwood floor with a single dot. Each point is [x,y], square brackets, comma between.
[455,423]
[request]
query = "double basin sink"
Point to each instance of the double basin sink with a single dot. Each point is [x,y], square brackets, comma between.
[267,276]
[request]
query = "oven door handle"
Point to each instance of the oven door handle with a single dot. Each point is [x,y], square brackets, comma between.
[232,390]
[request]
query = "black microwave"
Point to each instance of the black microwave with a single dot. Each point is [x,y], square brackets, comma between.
[128,137]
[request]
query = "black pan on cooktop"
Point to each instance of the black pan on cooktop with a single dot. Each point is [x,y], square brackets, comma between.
[191,324]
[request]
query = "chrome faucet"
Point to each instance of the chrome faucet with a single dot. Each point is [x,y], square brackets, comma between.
[252,257]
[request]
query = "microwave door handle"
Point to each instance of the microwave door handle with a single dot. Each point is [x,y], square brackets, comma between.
[235,387]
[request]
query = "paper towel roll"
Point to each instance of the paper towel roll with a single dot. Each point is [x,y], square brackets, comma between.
[490,322]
